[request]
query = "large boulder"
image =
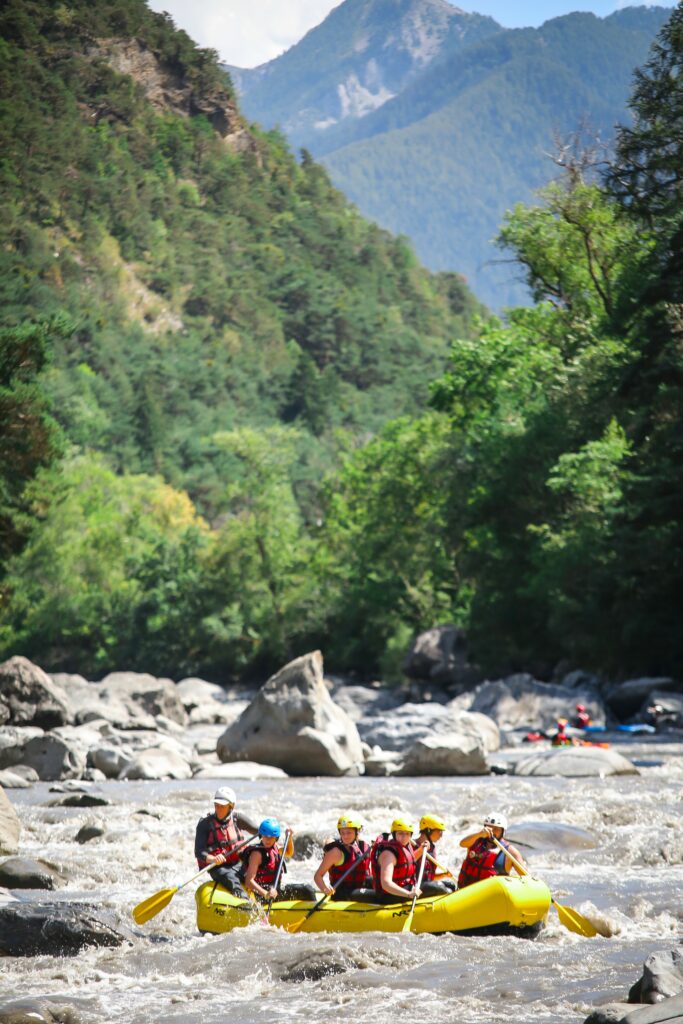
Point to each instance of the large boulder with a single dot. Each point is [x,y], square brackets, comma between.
[522,702]
[662,977]
[575,762]
[10,826]
[54,929]
[402,727]
[240,770]
[157,763]
[52,757]
[29,695]
[668,1012]
[626,698]
[294,724]
[439,656]
[454,753]
[25,873]
[142,692]
[364,702]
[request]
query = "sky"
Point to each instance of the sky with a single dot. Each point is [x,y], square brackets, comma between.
[249,32]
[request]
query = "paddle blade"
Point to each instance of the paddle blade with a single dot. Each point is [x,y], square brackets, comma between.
[408,922]
[575,922]
[153,905]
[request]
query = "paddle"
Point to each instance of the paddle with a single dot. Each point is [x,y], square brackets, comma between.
[359,860]
[572,920]
[409,920]
[441,867]
[153,905]
[288,836]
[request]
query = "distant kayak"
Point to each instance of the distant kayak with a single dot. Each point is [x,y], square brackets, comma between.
[639,727]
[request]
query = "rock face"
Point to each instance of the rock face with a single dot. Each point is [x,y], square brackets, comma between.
[157,763]
[51,756]
[153,696]
[520,701]
[24,873]
[455,753]
[294,724]
[662,978]
[29,696]
[10,826]
[54,929]
[626,698]
[575,762]
[439,656]
[402,727]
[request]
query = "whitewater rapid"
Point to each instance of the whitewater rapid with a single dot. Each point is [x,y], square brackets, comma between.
[632,879]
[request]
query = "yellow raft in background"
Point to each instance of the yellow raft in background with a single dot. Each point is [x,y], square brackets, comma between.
[501,905]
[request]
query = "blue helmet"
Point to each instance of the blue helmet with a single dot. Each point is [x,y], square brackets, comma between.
[270,827]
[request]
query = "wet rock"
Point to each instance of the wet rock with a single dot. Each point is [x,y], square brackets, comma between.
[522,702]
[670,1011]
[382,763]
[662,977]
[10,826]
[30,696]
[575,762]
[439,656]
[81,800]
[240,770]
[455,753]
[401,728]
[54,929]
[308,844]
[9,779]
[208,703]
[24,873]
[110,760]
[25,772]
[625,698]
[12,738]
[151,695]
[50,1010]
[314,967]
[157,763]
[294,724]
[364,701]
[87,833]
[550,835]
[611,1013]
[52,757]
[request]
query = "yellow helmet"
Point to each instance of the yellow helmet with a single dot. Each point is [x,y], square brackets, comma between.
[430,821]
[349,821]
[402,825]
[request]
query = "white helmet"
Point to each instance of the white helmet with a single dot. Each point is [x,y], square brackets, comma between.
[496,821]
[225,795]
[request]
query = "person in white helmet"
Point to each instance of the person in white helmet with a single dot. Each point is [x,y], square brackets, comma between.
[484,859]
[217,837]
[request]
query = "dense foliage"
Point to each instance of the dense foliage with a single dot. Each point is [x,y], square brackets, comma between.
[183,528]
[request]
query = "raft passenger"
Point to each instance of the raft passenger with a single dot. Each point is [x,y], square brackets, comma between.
[216,840]
[261,866]
[431,831]
[338,857]
[484,859]
[394,863]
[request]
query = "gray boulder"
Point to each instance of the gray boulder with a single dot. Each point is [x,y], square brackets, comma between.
[454,753]
[626,698]
[157,763]
[551,835]
[294,724]
[670,1011]
[10,826]
[575,762]
[55,929]
[87,833]
[25,873]
[52,757]
[662,977]
[110,760]
[145,693]
[610,1013]
[522,702]
[439,656]
[29,695]
[10,779]
[240,770]
[361,702]
[402,727]
[50,1010]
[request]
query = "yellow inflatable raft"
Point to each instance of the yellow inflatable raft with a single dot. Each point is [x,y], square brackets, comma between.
[502,905]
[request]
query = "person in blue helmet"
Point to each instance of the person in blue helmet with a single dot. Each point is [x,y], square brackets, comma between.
[261,866]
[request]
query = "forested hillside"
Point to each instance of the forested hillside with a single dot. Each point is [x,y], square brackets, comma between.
[201,341]
[451,148]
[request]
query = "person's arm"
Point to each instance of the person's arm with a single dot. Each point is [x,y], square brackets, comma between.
[509,865]
[250,883]
[387,863]
[245,823]
[470,839]
[332,858]
[201,841]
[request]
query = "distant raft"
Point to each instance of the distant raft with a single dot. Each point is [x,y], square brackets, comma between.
[495,906]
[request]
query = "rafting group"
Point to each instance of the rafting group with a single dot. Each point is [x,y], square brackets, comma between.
[399,865]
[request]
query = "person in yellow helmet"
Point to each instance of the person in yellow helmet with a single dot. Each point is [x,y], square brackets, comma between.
[432,829]
[395,863]
[342,854]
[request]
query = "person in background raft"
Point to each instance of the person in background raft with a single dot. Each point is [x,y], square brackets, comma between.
[581,719]
[395,863]
[560,739]
[217,836]
[431,830]
[484,859]
[338,856]
[261,863]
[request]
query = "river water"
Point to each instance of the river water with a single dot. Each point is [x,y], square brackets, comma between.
[631,880]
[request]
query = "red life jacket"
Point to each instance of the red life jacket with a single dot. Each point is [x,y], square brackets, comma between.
[482,861]
[361,875]
[223,836]
[270,862]
[404,868]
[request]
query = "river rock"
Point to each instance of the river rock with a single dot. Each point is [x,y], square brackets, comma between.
[551,835]
[10,826]
[522,702]
[401,728]
[626,698]
[454,753]
[12,738]
[361,702]
[382,763]
[575,762]
[439,656]
[145,692]
[157,763]
[87,833]
[662,977]
[240,770]
[9,779]
[30,696]
[50,1010]
[669,1011]
[52,757]
[24,873]
[54,929]
[111,761]
[610,1013]
[294,724]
